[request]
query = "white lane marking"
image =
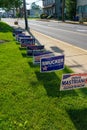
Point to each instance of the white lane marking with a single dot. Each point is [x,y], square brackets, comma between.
[80,30]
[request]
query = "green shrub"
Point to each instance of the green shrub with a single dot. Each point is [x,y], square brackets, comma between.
[43,16]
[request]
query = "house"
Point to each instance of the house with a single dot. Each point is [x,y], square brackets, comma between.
[35,10]
[53,7]
[82,8]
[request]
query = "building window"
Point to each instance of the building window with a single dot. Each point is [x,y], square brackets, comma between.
[79,9]
[85,9]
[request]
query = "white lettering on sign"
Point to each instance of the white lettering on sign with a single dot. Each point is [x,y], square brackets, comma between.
[53,62]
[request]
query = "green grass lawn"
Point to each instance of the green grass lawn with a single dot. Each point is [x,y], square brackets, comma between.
[30,100]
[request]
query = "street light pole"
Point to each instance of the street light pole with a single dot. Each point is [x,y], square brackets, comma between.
[25,15]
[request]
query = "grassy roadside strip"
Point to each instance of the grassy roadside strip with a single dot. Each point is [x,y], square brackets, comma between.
[30,100]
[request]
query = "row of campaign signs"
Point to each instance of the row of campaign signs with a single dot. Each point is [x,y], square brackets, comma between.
[49,62]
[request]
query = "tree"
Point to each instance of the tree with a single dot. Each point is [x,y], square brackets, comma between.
[9,4]
[70,9]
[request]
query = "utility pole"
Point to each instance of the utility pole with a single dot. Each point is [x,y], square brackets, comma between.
[63,9]
[25,15]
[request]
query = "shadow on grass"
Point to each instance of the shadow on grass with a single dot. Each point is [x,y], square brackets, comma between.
[83,91]
[79,118]
[18,43]
[32,65]
[24,55]
[51,83]
[22,48]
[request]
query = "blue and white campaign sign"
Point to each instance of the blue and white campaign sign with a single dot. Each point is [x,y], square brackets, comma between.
[22,36]
[27,40]
[19,35]
[39,55]
[36,47]
[52,63]
[17,31]
[73,81]
[33,52]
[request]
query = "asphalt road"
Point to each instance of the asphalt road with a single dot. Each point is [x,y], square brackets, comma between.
[71,33]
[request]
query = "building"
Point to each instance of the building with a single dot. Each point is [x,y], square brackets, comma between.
[53,7]
[82,8]
[35,13]
[35,10]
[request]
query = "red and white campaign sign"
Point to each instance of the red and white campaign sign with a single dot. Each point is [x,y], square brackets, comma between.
[73,81]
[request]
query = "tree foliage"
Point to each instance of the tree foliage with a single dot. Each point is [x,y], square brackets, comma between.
[70,9]
[9,4]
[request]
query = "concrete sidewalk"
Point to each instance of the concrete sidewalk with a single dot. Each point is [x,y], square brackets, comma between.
[66,21]
[75,57]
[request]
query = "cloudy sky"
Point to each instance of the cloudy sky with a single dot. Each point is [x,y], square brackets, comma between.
[38,2]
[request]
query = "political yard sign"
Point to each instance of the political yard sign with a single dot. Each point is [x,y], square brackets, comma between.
[26,42]
[73,81]
[52,63]
[37,56]
[19,37]
[17,31]
[35,47]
